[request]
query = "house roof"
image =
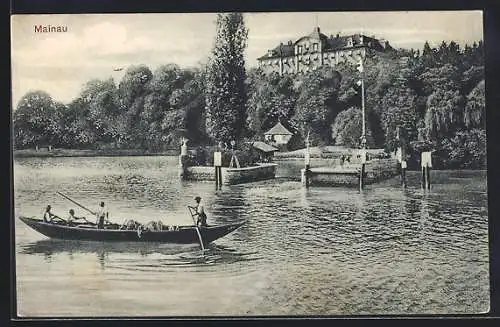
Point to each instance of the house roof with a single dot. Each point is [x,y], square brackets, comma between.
[264,147]
[278,129]
[282,50]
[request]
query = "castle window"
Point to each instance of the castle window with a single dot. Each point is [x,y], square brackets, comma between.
[315,46]
[300,49]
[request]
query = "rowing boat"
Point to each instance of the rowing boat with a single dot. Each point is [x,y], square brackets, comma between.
[115,232]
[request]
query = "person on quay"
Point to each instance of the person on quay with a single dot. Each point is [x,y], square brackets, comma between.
[102,215]
[72,218]
[47,215]
[200,212]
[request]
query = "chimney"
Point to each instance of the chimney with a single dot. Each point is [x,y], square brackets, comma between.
[290,42]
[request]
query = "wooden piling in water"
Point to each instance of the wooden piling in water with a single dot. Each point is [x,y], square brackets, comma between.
[183,158]
[403,173]
[362,157]
[426,165]
[362,177]
[218,168]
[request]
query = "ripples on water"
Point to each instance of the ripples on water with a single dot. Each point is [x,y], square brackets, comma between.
[317,251]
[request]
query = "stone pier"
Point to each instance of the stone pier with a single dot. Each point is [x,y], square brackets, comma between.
[348,175]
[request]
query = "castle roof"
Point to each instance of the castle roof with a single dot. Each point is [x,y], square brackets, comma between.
[332,43]
[278,129]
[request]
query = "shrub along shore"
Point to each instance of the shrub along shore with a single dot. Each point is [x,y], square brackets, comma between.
[44,153]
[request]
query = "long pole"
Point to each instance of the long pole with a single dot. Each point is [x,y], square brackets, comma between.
[363,129]
[197,228]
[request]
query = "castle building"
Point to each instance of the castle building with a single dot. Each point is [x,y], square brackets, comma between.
[317,50]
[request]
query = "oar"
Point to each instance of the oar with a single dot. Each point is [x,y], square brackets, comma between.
[78,204]
[197,228]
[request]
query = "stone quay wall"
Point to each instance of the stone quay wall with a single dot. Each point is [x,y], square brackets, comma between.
[376,170]
[231,176]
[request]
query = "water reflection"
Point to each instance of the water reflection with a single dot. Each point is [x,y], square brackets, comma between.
[179,254]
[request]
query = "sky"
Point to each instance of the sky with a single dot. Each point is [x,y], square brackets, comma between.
[95,44]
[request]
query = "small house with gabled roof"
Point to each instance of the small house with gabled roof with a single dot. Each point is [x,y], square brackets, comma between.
[278,135]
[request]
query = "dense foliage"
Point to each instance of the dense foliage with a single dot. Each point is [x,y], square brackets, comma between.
[144,111]
[434,96]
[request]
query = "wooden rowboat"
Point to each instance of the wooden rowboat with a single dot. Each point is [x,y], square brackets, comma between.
[114,233]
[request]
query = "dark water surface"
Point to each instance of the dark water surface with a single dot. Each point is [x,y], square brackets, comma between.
[322,251]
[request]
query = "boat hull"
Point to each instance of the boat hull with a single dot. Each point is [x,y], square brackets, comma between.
[184,234]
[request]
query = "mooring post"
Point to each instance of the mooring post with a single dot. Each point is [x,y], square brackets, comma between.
[401,158]
[183,158]
[426,163]
[307,163]
[403,173]
[362,157]
[428,170]
[218,167]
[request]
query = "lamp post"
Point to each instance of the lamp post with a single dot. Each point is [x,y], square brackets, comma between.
[361,83]
[363,126]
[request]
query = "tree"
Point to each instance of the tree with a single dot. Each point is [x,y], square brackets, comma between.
[446,77]
[133,84]
[317,104]
[132,91]
[466,149]
[470,79]
[35,120]
[399,105]
[444,113]
[475,109]
[101,97]
[346,129]
[225,92]
[272,99]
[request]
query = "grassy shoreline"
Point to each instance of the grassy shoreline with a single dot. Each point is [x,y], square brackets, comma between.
[44,153]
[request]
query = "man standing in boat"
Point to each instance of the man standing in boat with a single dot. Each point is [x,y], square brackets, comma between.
[102,214]
[200,212]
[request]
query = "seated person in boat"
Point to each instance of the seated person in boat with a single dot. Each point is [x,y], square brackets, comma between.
[101,215]
[200,212]
[72,218]
[48,216]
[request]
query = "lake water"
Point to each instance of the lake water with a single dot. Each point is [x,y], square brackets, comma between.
[321,251]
